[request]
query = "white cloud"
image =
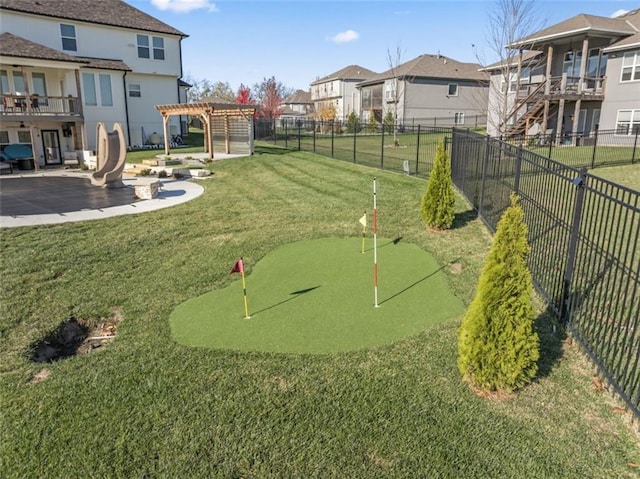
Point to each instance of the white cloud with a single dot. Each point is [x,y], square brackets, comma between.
[184,6]
[617,13]
[345,37]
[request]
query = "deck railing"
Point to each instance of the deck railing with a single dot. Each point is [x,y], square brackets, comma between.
[15,104]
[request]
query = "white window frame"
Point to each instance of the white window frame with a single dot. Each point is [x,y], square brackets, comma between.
[89,86]
[157,44]
[153,47]
[633,65]
[135,90]
[629,125]
[455,93]
[390,91]
[69,38]
[458,118]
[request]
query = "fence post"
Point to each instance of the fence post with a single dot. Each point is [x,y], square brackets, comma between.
[595,145]
[516,179]
[418,150]
[332,138]
[286,135]
[382,148]
[314,134]
[446,142]
[299,133]
[485,160]
[275,132]
[551,142]
[635,146]
[355,133]
[579,182]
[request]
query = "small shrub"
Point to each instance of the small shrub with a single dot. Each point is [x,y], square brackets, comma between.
[353,123]
[389,123]
[372,124]
[162,174]
[177,176]
[498,347]
[208,161]
[145,172]
[439,199]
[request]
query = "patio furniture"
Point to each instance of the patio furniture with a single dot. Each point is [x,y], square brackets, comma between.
[19,154]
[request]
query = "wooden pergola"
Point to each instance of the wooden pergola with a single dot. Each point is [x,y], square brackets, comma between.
[207,111]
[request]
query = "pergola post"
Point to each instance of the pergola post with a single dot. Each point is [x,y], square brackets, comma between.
[165,127]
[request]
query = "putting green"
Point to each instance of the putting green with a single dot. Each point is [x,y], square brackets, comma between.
[317,297]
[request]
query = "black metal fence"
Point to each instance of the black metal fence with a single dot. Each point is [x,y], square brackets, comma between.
[404,148]
[591,149]
[584,233]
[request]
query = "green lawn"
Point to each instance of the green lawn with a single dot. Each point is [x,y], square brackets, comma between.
[147,406]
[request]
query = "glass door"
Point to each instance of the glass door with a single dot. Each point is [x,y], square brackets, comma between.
[51,144]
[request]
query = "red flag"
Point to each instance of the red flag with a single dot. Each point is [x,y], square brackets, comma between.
[238,267]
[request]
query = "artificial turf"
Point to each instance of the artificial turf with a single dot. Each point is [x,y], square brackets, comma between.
[317,296]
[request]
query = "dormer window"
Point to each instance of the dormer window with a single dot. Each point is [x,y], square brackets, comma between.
[452,89]
[68,35]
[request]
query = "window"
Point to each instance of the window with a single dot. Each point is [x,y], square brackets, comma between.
[631,66]
[628,122]
[158,48]
[459,118]
[134,90]
[144,47]
[68,35]
[4,82]
[89,89]
[571,64]
[453,89]
[24,136]
[596,64]
[4,139]
[106,98]
[18,82]
[390,91]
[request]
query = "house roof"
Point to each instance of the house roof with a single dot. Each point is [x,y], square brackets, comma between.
[529,58]
[15,46]
[115,13]
[352,72]
[184,83]
[299,97]
[581,23]
[105,64]
[288,111]
[431,66]
[626,44]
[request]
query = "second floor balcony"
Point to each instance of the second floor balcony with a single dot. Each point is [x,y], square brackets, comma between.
[18,105]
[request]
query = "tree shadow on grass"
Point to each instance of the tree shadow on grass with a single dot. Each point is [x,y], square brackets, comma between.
[552,336]
[271,150]
[462,219]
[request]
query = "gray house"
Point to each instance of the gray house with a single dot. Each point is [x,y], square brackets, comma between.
[570,77]
[335,96]
[297,106]
[426,88]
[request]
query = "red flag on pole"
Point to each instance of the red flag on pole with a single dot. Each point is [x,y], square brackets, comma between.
[238,267]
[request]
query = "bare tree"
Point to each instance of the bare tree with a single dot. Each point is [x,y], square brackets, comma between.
[394,60]
[203,88]
[510,22]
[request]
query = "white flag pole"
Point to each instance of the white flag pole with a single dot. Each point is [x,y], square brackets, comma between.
[375,246]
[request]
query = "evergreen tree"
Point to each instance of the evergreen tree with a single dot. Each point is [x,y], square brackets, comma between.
[498,347]
[439,199]
[388,122]
[353,123]
[372,125]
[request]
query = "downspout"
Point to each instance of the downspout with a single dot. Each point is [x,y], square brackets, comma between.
[182,133]
[126,107]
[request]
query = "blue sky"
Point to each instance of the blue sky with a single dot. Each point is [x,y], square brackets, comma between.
[240,41]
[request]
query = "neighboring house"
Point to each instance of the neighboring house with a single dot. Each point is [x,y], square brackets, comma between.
[573,76]
[297,106]
[427,87]
[67,65]
[337,93]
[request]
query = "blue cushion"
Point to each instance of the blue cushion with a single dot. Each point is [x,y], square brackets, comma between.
[18,150]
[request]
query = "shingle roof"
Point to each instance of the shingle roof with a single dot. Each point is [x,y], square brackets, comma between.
[529,58]
[299,96]
[628,43]
[105,64]
[104,12]
[578,24]
[431,66]
[15,46]
[352,72]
